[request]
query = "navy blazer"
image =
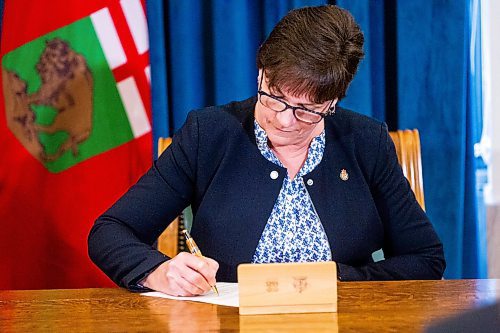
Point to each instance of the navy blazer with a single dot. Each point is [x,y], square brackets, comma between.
[214,165]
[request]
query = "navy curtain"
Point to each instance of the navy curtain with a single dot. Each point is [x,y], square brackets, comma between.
[418,73]
[1,17]
[475,241]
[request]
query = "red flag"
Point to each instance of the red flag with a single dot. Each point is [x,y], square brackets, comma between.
[75,132]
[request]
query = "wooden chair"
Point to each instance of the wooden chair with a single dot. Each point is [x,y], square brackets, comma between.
[407,143]
[171,241]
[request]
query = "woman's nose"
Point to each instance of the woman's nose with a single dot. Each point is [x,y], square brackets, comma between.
[286,118]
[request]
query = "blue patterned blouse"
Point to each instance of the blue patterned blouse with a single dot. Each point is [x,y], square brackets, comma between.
[293,232]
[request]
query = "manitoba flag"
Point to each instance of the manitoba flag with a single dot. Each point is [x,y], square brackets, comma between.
[75,131]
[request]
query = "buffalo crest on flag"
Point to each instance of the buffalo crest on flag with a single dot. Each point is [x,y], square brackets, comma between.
[66,87]
[62,101]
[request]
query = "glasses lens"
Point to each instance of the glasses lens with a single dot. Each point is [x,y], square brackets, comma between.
[272,103]
[307,117]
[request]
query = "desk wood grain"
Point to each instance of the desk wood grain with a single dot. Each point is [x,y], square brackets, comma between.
[404,306]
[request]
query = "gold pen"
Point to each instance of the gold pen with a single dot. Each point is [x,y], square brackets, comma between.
[194,249]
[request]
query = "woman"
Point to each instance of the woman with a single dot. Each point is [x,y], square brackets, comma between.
[284,176]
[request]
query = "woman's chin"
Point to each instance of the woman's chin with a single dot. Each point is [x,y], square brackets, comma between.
[283,139]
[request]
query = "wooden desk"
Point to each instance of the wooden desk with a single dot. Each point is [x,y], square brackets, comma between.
[363,307]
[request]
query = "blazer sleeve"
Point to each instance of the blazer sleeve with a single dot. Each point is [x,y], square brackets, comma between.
[411,248]
[121,240]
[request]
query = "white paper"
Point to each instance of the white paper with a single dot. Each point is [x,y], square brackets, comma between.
[228,295]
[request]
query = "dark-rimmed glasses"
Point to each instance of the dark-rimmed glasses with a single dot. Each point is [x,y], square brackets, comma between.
[300,113]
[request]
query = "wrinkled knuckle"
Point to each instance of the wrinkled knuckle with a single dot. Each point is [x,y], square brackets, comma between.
[191,278]
[190,288]
[170,276]
[202,265]
[195,291]
[173,264]
[198,280]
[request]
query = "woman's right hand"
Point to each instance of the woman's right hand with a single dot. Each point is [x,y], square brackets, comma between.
[183,275]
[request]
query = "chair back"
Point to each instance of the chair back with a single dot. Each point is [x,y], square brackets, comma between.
[171,241]
[163,144]
[407,143]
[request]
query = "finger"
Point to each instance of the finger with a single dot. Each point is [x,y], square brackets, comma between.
[202,266]
[200,286]
[197,279]
[173,276]
[212,263]
[184,289]
[175,289]
[178,285]
[214,267]
[180,269]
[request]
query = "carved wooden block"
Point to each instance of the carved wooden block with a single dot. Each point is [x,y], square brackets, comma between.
[287,288]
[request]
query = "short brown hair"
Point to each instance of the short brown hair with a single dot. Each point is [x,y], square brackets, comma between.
[313,51]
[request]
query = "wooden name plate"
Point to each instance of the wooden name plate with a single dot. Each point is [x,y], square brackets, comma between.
[287,288]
